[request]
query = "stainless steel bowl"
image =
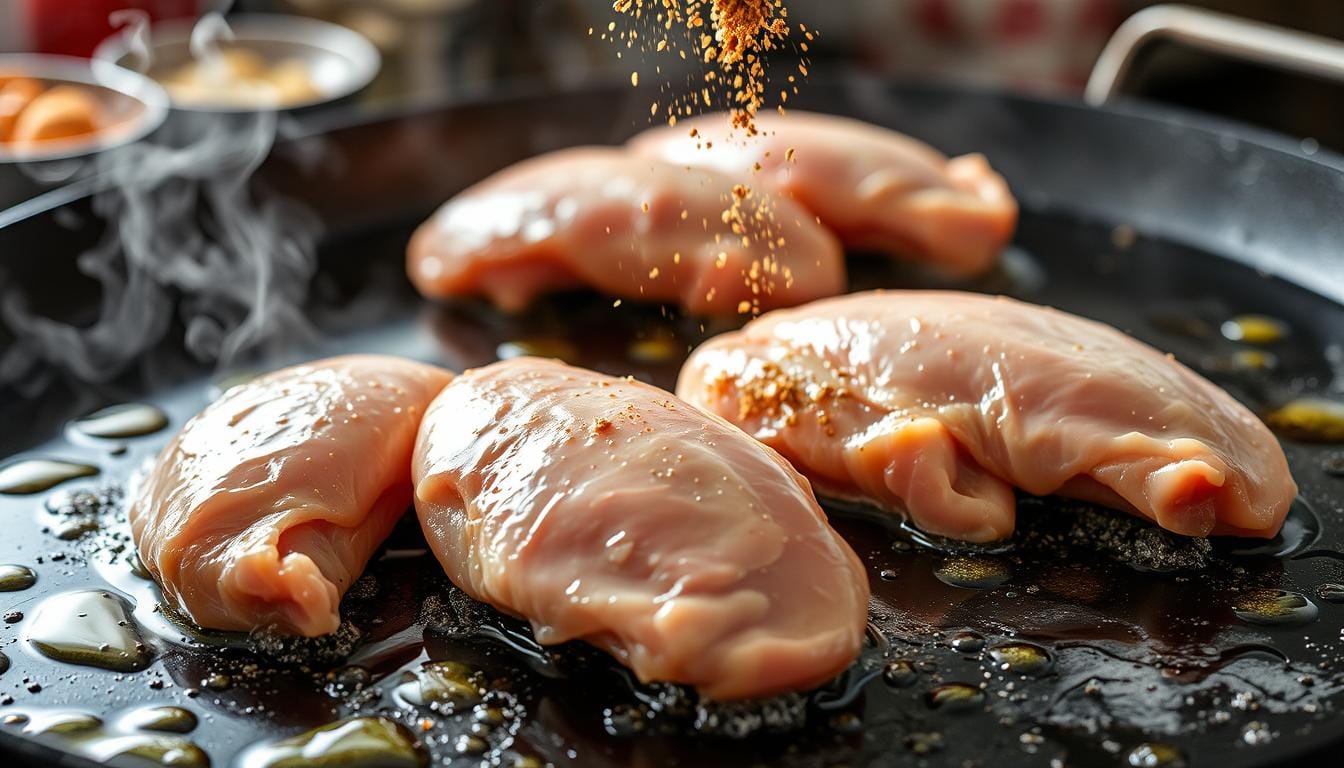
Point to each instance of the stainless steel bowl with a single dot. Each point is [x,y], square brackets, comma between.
[135,104]
[339,61]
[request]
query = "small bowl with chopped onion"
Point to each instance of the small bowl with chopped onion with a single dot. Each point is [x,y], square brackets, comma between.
[249,62]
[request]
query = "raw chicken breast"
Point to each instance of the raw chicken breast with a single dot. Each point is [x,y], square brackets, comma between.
[606,509]
[877,189]
[627,226]
[941,402]
[268,503]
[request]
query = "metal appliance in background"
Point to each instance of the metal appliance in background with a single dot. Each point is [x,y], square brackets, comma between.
[1155,220]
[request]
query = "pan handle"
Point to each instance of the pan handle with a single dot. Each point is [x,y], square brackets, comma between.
[1214,32]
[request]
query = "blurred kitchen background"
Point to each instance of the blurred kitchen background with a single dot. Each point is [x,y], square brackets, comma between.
[438,49]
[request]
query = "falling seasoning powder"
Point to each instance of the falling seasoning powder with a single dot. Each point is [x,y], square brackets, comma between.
[730,36]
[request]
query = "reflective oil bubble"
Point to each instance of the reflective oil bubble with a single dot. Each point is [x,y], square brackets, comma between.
[955,697]
[1155,755]
[61,722]
[37,475]
[14,578]
[444,685]
[1255,329]
[121,421]
[1309,419]
[165,719]
[91,628]
[155,749]
[900,673]
[359,742]
[973,571]
[967,642]
[1331,592]
[1021,658]
[1274,607]
[88,737]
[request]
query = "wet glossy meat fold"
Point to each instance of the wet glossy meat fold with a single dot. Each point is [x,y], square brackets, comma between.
[877,189]
[938,404]
[630,227]
[607,510]
[268,503]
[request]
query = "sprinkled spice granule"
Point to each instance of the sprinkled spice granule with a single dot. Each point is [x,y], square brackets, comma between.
[731,36]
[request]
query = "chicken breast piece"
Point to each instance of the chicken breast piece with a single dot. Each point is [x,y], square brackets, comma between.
[939,403]
[877,189]
[268,503]
[607,510]
[632,227]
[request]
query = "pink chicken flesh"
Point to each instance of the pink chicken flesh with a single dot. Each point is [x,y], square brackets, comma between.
[607,510]
[877,189]
[940,402]
[632,227]
[269,502]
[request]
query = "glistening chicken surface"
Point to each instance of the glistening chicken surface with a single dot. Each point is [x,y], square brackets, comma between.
[937,404]
[607,510]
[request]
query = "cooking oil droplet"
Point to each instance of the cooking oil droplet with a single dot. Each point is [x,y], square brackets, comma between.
[91,628]
[218,681]
[1022,658]
[955,697]
[899,673]
[467,744]
[37,475]
[441,685]
[165,719]
[1331,593]
[1256,733]
[1274,607]
[537,347]
[14,578]
[1155,755]
[359,742]
[4,663]
[1309,419]
[968,642]
[61,722]
[85,735]
[121,421]
[973,572]
[1255,329]
[655,351]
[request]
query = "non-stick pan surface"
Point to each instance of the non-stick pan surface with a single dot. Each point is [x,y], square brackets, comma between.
[1140,647]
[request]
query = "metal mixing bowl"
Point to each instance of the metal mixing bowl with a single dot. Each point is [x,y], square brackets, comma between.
[340,61]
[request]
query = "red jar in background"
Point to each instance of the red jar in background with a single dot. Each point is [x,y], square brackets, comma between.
[75,27]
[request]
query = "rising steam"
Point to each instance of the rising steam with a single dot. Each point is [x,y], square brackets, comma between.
[186,237]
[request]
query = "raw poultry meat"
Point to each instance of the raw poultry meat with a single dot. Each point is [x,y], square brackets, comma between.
[629,227]
[605,509]
[940,403]
[877,189]
[268,503]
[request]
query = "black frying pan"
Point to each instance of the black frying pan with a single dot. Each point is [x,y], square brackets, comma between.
[1159,222]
